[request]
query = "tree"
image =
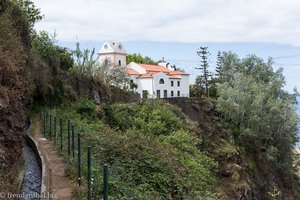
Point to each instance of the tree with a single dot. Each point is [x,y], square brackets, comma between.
[204,78]
[30,11]
[85,61]
[138,58]
[44,46]
[111,74]
[219,64]
[252,97]
[225,63]
[87,64]
[196,91]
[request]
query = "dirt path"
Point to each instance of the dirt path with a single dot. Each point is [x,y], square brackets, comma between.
[55,184]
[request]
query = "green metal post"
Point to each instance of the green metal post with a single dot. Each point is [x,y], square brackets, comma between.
[69,138]
[89,175]
[61,134]
[79,159]
[55,129]
[44,123]
[73,142]
[105,182]
[50,127]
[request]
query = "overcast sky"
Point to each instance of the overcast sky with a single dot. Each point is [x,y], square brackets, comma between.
[248,26]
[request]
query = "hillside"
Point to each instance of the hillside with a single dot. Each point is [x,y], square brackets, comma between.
[15,62]
[240,175]
[198,148]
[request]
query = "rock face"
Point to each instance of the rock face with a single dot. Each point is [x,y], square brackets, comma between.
[15,61]
[240,175]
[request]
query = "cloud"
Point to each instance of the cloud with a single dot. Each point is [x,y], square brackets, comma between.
[175,21]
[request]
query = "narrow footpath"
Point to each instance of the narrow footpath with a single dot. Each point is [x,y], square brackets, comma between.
[55,185]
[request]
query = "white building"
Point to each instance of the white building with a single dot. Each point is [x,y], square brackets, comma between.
[114,52]
[153,81]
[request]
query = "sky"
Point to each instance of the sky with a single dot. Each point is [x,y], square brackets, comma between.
[176,29]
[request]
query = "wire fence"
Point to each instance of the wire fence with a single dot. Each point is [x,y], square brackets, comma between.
[79,156]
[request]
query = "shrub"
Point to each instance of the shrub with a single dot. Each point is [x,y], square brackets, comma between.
[143,164]
[86,107]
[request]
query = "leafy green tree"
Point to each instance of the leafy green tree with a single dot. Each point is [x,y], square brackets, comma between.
[225,61]
[252,97]
[30,11]
[85,61]
[148,60]
[138,58]
[196,91]
[44,45]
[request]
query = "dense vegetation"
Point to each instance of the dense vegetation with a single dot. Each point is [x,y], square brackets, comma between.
[247,132]
[252,97]
[150,153]
[138,58]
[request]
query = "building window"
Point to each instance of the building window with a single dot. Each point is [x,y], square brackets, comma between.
[120,63]
[158,94]
[165,93]
[178,83]
[178,93]
[172,83]
[145,94]
[161,81]
[172,93]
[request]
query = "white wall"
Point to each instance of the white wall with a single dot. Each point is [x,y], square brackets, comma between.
[102,58]
[185,86]
[175,87]
[145,84]
[120,57]
[113,58]
[162,87]
[112,52]
[152,85]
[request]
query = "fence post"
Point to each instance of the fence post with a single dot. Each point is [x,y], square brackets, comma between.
[55,129]
[44,123]
[61,135]
[79,159]
[89,175]
[50,127]
[69,138]
[105,182]
[73,142]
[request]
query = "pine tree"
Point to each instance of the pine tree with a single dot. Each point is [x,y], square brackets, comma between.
[219,64]
[205,76]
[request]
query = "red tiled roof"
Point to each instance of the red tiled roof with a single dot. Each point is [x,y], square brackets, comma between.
[174,77]
[148,75]
[178,73]
[131,71]
[155,68]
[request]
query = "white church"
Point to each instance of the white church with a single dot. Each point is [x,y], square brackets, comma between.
[153,81]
